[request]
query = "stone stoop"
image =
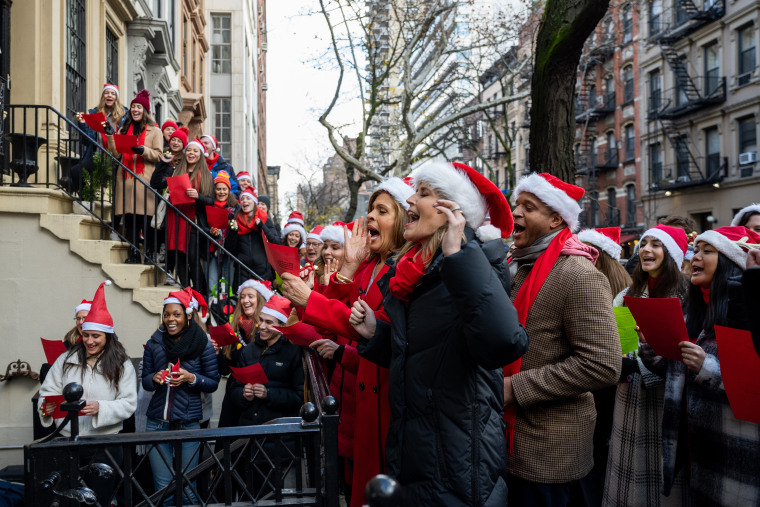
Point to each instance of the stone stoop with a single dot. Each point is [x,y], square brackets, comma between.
[83,234]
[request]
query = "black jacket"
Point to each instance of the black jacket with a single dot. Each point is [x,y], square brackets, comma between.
[283,366]
[249,249]
[230,412]
[446,348]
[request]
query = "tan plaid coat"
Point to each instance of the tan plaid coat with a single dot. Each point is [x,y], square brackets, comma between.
[574,348]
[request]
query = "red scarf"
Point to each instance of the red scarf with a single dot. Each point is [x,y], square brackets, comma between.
[651,283]
[523,302]
[705,295]
[246,225]
[220,204]
[246,325]
[409,272]
[211,162]
[131,160]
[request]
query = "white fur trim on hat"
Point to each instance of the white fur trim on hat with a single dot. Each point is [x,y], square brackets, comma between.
[313,236]
[294,227]
[295,221]
[110,87]
[749,209]
[454,185]
[734,252]
[601,241]
[397,189]
[244,176]
[196,143]
[668,242]
[257,286]
[274,313]
[212,141]
[82,307]
[170,300]
[333,233]
[94,326]
[567,207]
[487,233]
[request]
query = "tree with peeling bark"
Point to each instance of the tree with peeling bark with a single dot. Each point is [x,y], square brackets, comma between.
[565,26]
[395,52]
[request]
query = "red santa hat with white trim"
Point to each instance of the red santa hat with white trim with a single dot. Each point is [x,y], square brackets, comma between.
[334,232]
[213,142]
[197,143]
[295,223]
[752,208]
[560,196]
[244,175]
[277,307]
[296,217]
[475,194]
[606,239]
[733,242]
[99,319]
[315,233]
[109,86]
[84,306]
[190,300]
[263,287]
[399,189]
[672,238]
[250,192]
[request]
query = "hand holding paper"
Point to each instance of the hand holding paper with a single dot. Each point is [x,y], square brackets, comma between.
[124,142]
[177,186]
[217,217]
[95,121]
[300,333]
[57,412]
[661,322]
[223,335]
[626,324]
[284,259]
[252,374]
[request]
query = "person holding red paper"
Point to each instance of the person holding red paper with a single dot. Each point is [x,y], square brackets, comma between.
[450,329]
[293,234]
[73,335]
[101,365]
[634,460]
[218,263]
[132,201]
[245,242]
[216,162]
[699,431]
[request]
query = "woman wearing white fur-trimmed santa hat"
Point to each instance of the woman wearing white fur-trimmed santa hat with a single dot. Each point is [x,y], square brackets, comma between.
[453,329]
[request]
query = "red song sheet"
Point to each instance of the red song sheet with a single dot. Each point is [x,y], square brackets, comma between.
[177,187]
[174,368]
[57,399]
[53,349]
[661,322]
[252,374]
[300,333]
[739,364]
[284,259]
[223,335]
[95,121]
[217,217]
[124,142]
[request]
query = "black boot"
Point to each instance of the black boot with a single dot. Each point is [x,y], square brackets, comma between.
[150,257]
[134,257]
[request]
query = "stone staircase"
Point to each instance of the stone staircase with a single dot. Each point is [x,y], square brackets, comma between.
[65,219]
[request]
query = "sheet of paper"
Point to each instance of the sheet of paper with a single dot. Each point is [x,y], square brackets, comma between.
[661,322]
[626,324]
[300,333]
[177,187]
[223,335]
[57,399]
[53,349]
[284,259]
[95,121]
[124,142]
[217,217]
[739,364]
[252,374]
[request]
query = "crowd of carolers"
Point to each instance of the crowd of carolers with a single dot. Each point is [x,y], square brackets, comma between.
[474,372]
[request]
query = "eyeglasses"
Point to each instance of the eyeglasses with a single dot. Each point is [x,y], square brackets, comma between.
[80,319]
[310,244]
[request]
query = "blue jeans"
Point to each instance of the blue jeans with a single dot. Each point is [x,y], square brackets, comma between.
[216,270]
[162,475]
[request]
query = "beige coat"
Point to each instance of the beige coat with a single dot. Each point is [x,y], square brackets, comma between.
[574,349]
[131,194]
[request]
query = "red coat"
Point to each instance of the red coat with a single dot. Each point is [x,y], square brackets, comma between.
[373,412]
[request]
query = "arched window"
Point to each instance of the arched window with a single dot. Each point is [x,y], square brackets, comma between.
[612,213]
[630,208]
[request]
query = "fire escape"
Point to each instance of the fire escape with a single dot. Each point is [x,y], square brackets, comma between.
[690,94]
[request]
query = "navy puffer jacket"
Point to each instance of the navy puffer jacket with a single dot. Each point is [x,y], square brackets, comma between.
[181,403]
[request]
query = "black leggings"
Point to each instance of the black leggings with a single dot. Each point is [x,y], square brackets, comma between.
[134,225]
[188,265]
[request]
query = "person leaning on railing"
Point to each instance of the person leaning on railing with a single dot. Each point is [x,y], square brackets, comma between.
[133,199]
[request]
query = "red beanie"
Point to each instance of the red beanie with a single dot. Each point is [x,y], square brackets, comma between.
[143,98]
[181,134]
[169,123]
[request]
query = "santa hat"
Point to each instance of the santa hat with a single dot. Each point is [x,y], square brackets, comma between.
[293,226]
[213,141]
[223,177]
[197,143]
[296,217]
[749,209]
[559,196]
[142,98]
[334,232]
[109,86]
[263,287]
[733,242]
[672,238]
[169,123]
[399,189]
[278,307]
[190,300]
[84,306]
[99,319]
[244,175]
[315,233]
[250,192]
[607,239]
[181,134]
[475,194]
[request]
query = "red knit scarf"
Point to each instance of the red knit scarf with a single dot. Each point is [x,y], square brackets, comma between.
[651,283]
[220,204]
[247,225]
[523,302]
[409,272]
[706,295]
[131,160]
[211,162]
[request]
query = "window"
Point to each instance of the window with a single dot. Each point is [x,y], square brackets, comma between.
[609,92]
[630,143]
[158,114]
[221,53]
[222,115]
[630,201]
[747,134]
[112,58]
[655,91]
[655,161]
[496,178]
[628,84]
[594,151]
[746,55]
[712,151]
[594,220]
[683,159]
[194,55]
[591,96]
[627,24]
[655,17]
[612,216]
[612,156]
[184,46]
[712,69]
[76,58]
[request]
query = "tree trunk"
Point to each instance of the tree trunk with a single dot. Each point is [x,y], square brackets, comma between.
[353,193]
[565,26]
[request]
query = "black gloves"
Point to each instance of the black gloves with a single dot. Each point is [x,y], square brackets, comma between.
[138,149]
[630,366]
[108,129]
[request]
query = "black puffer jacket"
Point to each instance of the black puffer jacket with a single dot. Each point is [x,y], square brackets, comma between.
[249,249]
[446,348]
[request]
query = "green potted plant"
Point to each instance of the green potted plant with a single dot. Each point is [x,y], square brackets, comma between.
[97,182]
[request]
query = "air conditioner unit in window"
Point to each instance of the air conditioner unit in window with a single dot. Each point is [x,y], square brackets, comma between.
[264,46]
[748,157]
[264,86]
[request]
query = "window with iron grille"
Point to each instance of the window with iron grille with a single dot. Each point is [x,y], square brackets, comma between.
[655,17]
[630,212]
[630,143]
[221,52]
[655,160]
[627,24]
[712,68]
[222,115]
[112,58]
[746,54]
[76,58]
[628,84]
